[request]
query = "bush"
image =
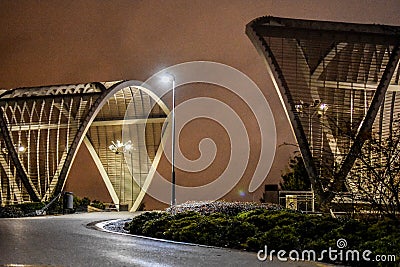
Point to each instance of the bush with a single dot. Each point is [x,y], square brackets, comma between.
[278,229]
[20,210]
[10,212]
[136,225]
[280,237]
[80,204]
[28,208]
[156,228]
[97,204]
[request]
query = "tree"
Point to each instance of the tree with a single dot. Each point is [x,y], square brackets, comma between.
[373,183]
[296,177]
[375,178]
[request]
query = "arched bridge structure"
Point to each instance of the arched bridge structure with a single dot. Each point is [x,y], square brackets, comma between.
[42,128]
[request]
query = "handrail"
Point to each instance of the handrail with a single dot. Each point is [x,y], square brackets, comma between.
[42,210]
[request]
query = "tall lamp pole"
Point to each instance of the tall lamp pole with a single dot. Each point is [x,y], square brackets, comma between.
[167,77]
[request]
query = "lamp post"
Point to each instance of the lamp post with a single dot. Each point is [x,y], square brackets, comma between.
[167,77]
[117,148]
[319,108]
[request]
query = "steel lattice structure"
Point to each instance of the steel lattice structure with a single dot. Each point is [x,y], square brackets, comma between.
[51,123]
[337,83]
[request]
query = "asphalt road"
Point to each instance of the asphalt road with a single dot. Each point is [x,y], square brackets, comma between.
[68,241]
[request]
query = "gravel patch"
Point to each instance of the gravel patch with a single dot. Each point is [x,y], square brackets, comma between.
[117,226]
[229,208]
[202,207]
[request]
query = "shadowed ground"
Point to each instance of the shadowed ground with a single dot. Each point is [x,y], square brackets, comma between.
[67,241]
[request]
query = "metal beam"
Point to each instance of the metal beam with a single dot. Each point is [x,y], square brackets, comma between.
[288,103]
[32,127]
[14,157]
[70,120]
[353,86]
[150,175]
[102,171]
[337,31]
[88,88]
[38,147]
[314,83]
[14,190]
[84,127]
[366,124]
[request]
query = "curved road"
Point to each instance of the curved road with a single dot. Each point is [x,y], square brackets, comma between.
[67,241]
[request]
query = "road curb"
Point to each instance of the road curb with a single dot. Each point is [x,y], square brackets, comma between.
[100,225]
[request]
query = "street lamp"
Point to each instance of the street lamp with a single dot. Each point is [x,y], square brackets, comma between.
[322,108]
[319,108]
[167,78]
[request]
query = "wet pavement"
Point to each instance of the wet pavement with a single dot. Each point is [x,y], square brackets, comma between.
[68,241]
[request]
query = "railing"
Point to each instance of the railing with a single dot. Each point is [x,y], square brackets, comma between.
[47,206]
[298,200]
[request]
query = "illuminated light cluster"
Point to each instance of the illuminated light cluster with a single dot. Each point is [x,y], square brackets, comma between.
[119,147]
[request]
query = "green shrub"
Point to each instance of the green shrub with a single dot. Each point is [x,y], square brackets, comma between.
[10,212]
[20,210]
[80,204]
[97,204]
[286,230]
[258,218]
[384,246]
[137,223]
[156,227]
[28,208]
[280,237]
[314,227]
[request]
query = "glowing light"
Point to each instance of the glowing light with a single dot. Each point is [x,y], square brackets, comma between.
[299,108]
[242,193]
[119,147]
[167,78]
[21,148]
[128,146]
[323,107]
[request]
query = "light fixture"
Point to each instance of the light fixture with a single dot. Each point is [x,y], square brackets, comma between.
[119,147]
[323,107]
[21,149]
[299,108]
